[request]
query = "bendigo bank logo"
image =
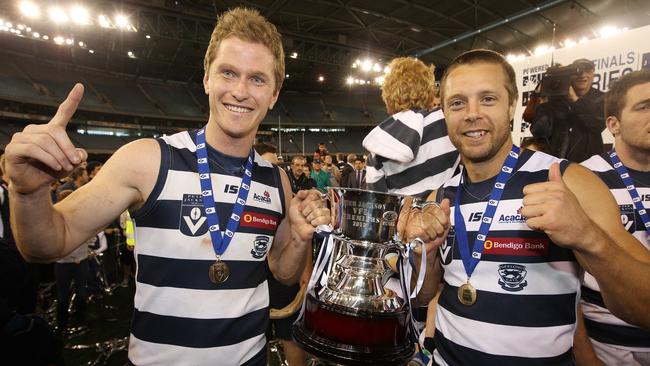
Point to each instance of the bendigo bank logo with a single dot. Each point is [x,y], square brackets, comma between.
[266,197]
[525,247]
[258,221]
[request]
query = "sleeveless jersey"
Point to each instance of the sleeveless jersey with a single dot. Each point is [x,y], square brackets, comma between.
[602,325]
[180,316]
[527,286]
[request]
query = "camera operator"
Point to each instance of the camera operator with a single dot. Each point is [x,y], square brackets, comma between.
[572,120]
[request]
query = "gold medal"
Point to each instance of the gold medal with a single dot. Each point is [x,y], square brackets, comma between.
[219,271]
[467,294]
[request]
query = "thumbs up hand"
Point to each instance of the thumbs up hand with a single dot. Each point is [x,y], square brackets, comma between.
[43,153]
[551,207]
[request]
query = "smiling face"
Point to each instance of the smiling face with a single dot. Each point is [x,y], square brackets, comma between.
[240,86]
[478,111]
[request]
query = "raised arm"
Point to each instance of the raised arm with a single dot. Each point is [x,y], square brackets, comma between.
[577,211]
[42,153]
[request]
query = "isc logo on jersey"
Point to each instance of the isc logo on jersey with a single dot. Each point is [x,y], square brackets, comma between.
[193,221]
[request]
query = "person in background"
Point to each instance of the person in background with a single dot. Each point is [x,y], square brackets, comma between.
[268,152]
[626,172]
[410,152]
[321,177]
[330,168]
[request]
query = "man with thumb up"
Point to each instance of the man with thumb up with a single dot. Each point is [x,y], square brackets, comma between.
[520,229]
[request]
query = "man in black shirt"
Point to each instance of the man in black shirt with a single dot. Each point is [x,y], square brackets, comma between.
[297,178]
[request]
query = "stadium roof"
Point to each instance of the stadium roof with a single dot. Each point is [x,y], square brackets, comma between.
[327,36]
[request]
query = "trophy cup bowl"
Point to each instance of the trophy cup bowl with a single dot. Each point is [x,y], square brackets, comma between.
[351,318]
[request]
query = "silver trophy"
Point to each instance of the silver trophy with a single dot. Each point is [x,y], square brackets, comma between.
[351,317]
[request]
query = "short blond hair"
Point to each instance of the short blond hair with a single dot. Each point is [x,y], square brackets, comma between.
[410,84]
[250,26]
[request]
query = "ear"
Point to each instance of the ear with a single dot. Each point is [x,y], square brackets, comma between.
[512,108]
[613,125]
[206,83]
[274,99]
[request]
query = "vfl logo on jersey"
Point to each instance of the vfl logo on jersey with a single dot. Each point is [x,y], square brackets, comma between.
[513,277]
[193,219]
[266,197]
[447,248]
[517,218]
[260,247]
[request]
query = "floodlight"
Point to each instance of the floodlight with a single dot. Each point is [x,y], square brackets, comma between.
[36,35]
[91,51]
[28,9]
[130,54]
[58,15]
[349,80]
[366,65]
[59,40]
[81,44]
[294,55]
[147,36]
[45,37]
[121,21]
[321,78]
[379,80]
[286,76]
[103,21]
[568,43]
[376,68]
[9,25]
[69,41]
[79,15]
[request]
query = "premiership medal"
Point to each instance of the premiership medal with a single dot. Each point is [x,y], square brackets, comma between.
[219,271]
[467,294]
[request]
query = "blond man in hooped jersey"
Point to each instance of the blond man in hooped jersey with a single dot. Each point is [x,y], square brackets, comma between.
[188,321]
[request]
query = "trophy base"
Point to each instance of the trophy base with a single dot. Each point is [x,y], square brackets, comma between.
[351,337]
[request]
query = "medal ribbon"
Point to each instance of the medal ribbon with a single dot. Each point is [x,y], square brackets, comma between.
[631,189]
[220,241]
[470,261]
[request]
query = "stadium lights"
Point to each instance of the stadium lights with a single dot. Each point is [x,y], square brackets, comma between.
[36,35]
[59,40]
[286,76]
[131,54]
[104,22]
[79,15]
[91,51]
[45,37]
[58,15]
[294,55]
[28,9]
[321,78]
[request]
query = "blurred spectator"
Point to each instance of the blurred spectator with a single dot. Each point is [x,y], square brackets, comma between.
[410,152]
[297,177]
[322,150]
[307,172]
[347,169]
[332,170]
[5,225]
[357,178]
[320,176]
[572,122]
[268,152]
[93,168]
[78,178]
